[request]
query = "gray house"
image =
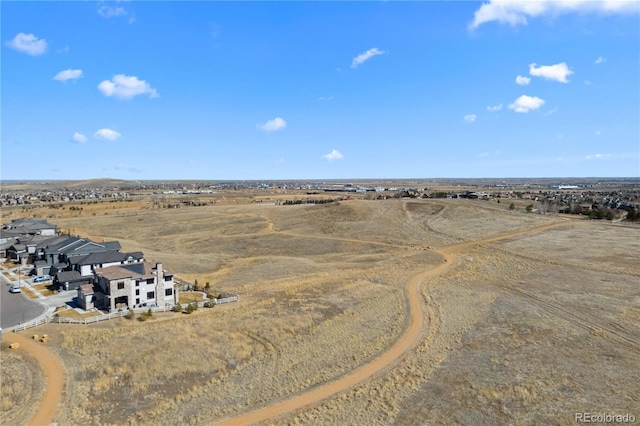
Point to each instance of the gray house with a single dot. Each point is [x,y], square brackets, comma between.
[62,249]
[87,264]
[70,280]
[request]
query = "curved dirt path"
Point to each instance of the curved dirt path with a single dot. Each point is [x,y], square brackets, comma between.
[386,359]
[53,372]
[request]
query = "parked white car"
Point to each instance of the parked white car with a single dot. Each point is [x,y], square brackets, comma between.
[15,289]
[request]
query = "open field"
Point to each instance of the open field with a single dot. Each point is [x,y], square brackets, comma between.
[526,329]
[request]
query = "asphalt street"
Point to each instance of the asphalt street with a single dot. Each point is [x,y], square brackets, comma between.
[16,308]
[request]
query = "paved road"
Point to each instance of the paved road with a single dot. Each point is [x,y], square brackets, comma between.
[16,308]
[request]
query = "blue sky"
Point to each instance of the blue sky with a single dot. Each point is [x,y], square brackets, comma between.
[320,90]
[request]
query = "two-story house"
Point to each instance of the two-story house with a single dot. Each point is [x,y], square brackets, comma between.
[133,285]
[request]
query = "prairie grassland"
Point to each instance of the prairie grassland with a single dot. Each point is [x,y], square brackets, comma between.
[525,336]
[322,293]
[21,386]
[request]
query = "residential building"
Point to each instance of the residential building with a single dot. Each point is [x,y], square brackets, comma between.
[134,285]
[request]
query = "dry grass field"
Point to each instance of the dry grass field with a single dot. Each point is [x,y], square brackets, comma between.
[525,330]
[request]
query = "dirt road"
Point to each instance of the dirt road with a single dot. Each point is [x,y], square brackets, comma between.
[386,359]
[53,372]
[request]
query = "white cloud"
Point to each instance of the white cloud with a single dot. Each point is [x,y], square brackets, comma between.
[128,168]
[557,72]
[126,87]
[597,156]
[551,111]
[363,57]
[470,118]
[68,75]
[29,44]
[517,12]
[526,103]
[273,125]
[494,108]
[333,155]
[108,11]
[79,137]
[587,83]
[601,60]
[107,134]
[325,98]
[598,132]
[485,154]
[522,81]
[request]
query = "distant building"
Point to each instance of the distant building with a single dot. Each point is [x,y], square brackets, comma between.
[560,187]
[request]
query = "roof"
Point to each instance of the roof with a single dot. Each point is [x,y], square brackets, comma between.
[104,257]
[131,270]
[74,246]
[86,289]
[70,276]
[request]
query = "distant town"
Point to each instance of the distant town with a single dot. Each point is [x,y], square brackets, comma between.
[548,195]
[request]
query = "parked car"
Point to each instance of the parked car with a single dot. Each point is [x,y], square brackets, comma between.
[15,289]
[41,278]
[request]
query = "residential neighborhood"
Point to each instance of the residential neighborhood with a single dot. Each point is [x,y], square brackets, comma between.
[104,277]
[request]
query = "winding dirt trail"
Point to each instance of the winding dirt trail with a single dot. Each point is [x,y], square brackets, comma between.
[398,350]
[53,372]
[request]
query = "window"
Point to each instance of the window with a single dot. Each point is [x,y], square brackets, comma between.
[151,295]
[137,283]
[150,280]
[137,292]
[168,292]
[121,285]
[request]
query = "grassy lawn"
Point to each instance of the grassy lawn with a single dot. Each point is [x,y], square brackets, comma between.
[29,293]
[43,289]
[72,313]
[188,297]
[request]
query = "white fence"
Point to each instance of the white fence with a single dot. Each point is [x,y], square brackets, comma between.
[27,325]
[105,317]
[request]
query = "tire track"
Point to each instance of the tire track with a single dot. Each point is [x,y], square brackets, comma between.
[586,322]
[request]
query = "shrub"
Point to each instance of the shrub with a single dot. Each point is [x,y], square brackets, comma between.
[189,309]
[130,314]
[512,206]
[177,308]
